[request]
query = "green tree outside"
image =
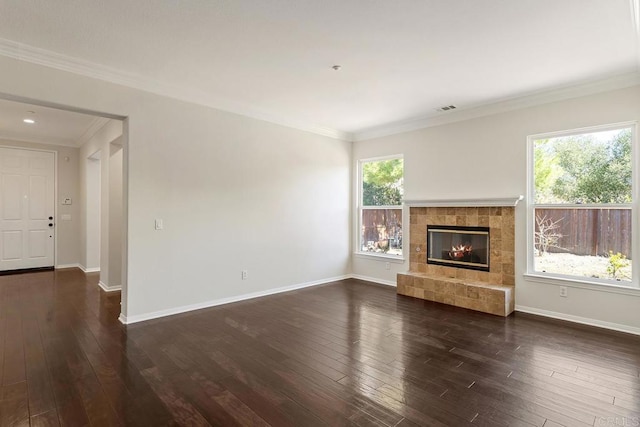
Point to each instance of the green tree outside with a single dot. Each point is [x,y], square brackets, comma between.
[592,169]
[589,168]
[382,182]
[382,185]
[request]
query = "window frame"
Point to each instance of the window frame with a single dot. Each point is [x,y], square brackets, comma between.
[563,279]
[360,208]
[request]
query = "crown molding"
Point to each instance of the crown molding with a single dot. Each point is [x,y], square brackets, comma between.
[36,140]
[96,124]
[94,127]
[47,58]
[27,53]
[503,105]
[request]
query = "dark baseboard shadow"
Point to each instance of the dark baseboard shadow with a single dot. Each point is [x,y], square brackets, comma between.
[26,270]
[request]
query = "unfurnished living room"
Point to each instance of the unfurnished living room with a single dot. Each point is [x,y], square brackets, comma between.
[300,213]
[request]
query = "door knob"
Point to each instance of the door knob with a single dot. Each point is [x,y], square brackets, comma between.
[50,224]
[50,218]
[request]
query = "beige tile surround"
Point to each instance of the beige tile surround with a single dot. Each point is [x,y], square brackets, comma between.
[489,292]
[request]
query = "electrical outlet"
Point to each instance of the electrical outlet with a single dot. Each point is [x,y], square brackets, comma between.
[387,266]
[563,291]
[245,274]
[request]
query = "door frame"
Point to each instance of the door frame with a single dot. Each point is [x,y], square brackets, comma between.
[125,183]
[55,193]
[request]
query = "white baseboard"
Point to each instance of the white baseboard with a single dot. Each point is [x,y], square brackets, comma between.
[183,309]
[374,280]
[577,319]
[88,270]
[109,288]
[127,320]
[61,266]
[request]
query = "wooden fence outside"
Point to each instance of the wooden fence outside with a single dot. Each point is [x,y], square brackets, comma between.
[590,231]
[379,224]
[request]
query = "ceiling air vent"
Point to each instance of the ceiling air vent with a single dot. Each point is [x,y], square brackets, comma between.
[446,108]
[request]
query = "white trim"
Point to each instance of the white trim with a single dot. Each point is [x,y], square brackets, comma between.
[592,284]
[357,221]
[380,256]
[607,285]
[577,319]
[97,124]
[109,288]
[531,99]
[56,240]
[462,203]
[47,58]
[38,140]
[62,266]
[523,309]
[375,280]
[635,20]
[89,270]
[3,144]
[198,306]
[583,130]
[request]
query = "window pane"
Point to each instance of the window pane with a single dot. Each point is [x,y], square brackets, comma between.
[381,231]
[584,242]
[382,182]
[587,168]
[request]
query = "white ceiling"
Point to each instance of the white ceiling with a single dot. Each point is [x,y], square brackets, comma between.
[52,126]
[272,59]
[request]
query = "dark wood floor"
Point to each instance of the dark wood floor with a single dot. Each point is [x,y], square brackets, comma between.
[348,353]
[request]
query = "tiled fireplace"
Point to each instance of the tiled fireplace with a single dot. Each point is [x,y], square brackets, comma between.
[486,280]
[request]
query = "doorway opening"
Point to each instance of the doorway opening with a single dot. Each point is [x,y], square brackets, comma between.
[85,218]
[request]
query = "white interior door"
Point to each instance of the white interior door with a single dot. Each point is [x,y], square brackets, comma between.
[26,209]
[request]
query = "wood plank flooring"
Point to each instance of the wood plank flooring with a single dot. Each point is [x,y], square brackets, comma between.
[346,353]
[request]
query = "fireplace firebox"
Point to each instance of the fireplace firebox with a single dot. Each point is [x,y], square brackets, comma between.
[458,246]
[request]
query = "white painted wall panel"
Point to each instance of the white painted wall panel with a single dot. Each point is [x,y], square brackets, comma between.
[12,245]
[12,198]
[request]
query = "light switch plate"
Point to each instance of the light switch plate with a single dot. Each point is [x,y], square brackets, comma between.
[66,201]
[159,225]
[65,217]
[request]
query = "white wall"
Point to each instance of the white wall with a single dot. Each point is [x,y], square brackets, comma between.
[90,214]
[96,209]
[67,175]
[115,216]
[234,193]
[491,154]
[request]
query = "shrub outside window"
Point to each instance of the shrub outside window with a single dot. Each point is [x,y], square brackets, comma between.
[380,206]
[581,204]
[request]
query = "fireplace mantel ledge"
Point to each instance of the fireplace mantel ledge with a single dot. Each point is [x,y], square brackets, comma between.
[464,203]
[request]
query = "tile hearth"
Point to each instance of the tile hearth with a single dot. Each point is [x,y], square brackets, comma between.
[489,292]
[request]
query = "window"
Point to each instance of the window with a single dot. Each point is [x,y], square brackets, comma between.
[581,204]
[380,206]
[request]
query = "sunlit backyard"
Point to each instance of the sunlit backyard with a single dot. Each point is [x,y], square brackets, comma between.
[582,265]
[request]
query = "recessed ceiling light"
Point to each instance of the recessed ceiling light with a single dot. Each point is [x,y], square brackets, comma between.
[30,121]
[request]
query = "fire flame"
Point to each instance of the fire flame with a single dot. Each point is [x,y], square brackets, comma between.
[462,248]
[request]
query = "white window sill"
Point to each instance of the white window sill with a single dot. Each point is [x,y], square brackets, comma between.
[380,257]
[630,289]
